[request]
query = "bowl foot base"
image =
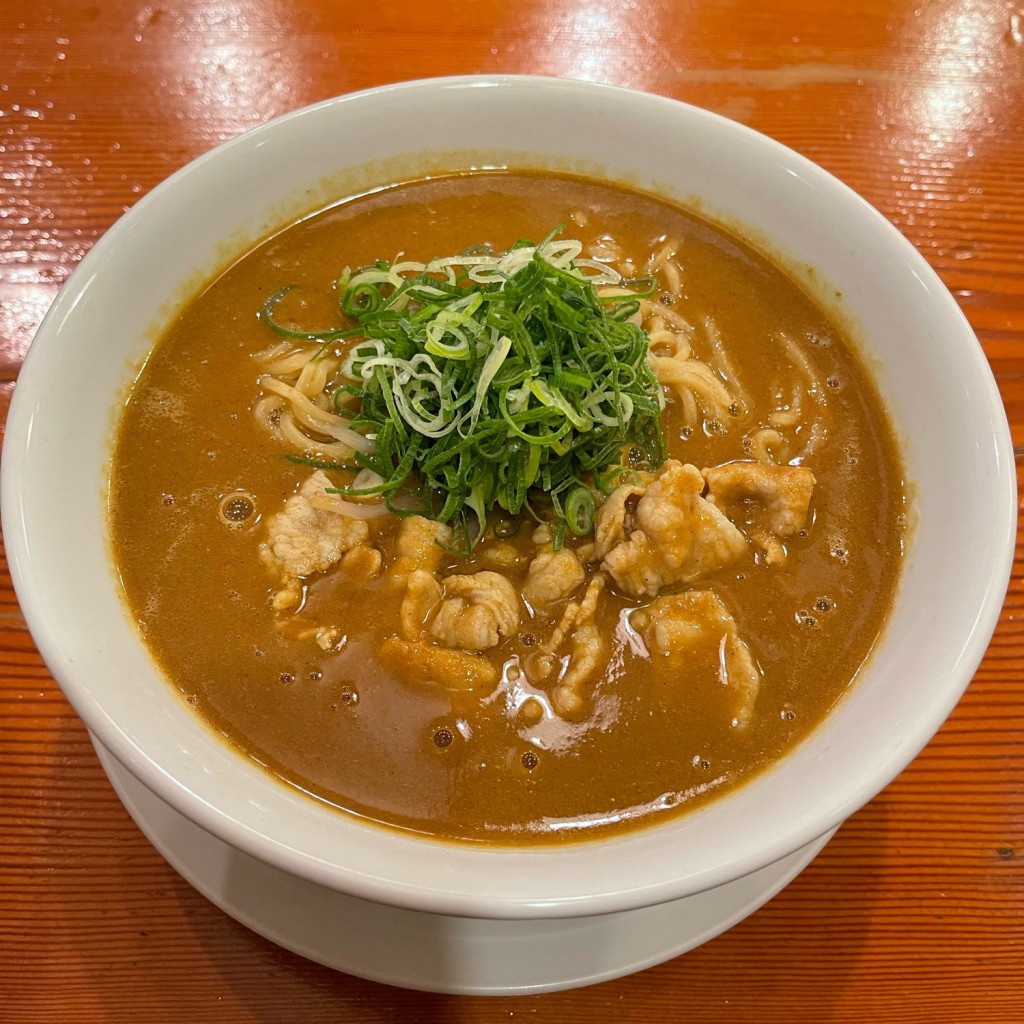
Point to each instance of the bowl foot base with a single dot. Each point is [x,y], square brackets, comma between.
[433,952]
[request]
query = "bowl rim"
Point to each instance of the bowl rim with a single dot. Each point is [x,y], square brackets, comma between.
[417,896]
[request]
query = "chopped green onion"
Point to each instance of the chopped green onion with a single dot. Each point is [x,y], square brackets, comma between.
[504,529]
[496,382]
[268,317]
[305,460]
[579,510]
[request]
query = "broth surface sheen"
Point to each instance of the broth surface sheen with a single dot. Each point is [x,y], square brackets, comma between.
[196,481]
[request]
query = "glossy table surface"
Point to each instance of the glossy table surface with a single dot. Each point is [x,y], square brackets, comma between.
[915,911]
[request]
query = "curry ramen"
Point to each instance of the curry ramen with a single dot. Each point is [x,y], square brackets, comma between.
[507,507]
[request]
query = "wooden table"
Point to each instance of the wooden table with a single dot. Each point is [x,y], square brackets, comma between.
[915,911]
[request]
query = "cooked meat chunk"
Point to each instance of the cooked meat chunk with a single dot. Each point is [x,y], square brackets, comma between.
[502,556]
[309,535]
[586,655]
[767,502]
[420,662]
[477,611]
[679,628]
[542,534]
[577,613]
[418,547]
[552,577]
[613,520]
[326,637]
[361,564]
[674,535]
[586,659]
[423,594]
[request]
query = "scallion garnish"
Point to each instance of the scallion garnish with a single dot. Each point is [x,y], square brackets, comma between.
[306,460]
[497,382]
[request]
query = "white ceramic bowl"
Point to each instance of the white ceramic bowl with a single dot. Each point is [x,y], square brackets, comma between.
[929,367]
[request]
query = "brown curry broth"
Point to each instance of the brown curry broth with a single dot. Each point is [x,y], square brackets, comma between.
[340,726]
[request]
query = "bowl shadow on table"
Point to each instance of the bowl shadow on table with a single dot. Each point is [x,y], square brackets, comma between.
[788,961]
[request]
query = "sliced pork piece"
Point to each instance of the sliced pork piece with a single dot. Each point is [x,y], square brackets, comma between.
[552,577]
[587,651]
[768,503]
[309,535]
[423,596]
[418,547]
[613,521]
[684,631]
[361,564]
[477,611]
[419,662]
[673,536]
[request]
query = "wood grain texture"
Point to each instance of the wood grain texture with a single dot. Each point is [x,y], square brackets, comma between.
[915,911]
